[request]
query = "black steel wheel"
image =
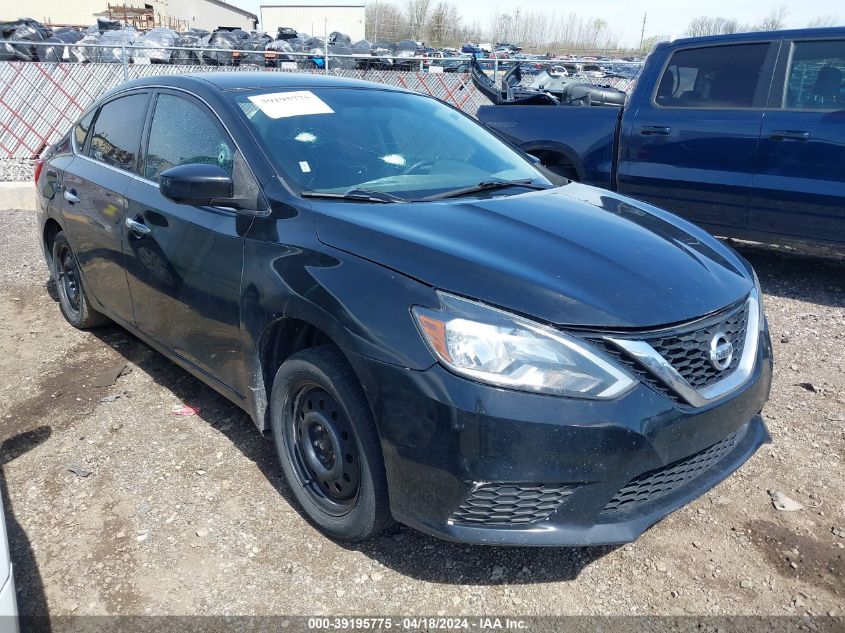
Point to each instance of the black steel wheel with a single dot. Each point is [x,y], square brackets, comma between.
[324,450]
[328,446]
[68,277]
[73,302]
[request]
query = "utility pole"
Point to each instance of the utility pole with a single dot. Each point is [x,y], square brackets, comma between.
[375,23]
[642,33]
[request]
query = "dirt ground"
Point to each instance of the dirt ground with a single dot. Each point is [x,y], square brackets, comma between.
[114,505]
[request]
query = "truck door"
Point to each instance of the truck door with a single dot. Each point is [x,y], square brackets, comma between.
[692,141]
[799,189]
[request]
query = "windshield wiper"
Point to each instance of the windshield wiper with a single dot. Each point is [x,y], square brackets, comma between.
[487,185]
[363,195]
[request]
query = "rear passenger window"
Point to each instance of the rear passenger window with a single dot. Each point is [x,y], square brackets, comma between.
[815,78]
[183,132]
[713,77]
[116,137]
[80,132]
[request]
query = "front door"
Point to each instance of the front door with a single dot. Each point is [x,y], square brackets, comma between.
[691,148]
[184,262]
[799,181]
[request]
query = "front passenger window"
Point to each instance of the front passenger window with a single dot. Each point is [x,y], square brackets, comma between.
[182,132]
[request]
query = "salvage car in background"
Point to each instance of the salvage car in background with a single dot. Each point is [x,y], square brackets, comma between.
[432,328]
[743,134]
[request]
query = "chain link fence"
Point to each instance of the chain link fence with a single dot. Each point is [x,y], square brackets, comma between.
[40,101]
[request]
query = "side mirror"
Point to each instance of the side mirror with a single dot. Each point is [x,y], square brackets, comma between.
[534,159]
[197,183]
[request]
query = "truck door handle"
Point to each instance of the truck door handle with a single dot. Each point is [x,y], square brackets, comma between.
[70,196]
[662,130]
[791,135]
[137,226]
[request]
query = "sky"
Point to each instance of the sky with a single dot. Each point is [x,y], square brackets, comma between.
[664,17]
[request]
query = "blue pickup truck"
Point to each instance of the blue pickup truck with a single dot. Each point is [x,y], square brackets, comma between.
[743,134]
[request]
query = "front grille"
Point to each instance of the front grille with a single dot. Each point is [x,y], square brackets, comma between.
[511,504]
[638,370]
[689,352]
[661,482]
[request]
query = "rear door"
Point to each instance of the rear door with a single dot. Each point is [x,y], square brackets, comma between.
[184,262]
[799,184]
[691,145]
[93,200]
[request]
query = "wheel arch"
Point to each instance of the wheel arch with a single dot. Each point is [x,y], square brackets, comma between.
[51,229]
[279,340]
[556,153]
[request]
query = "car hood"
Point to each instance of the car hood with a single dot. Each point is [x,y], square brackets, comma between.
[575,255]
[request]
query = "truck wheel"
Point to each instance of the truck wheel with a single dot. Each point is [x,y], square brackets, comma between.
[327,443]
[73,301]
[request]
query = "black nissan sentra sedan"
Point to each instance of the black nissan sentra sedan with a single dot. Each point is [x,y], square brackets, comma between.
[431,328]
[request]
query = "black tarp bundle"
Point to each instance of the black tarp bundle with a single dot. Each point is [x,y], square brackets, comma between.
[106,47]
[256,44]
[158,46]
[382,52]
[280,48]
[59,49]
[189,40]
[286,33]
[17,38]
[224,40]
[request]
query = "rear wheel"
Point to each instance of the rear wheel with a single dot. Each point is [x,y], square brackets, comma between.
[328,446]
[73,301]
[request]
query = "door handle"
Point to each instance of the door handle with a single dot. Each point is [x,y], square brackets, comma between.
[661,130]
[790,135]
[137,226]
[70,196]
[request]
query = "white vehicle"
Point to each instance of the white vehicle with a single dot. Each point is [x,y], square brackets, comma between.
[8,600]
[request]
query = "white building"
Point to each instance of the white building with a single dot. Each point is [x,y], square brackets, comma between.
[315,17]
[178,14]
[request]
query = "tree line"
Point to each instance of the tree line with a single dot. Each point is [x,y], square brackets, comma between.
[439,23]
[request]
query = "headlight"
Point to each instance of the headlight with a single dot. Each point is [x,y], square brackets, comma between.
[502,349]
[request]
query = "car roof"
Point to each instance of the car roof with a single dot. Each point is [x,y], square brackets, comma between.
[229,81]
[834,32]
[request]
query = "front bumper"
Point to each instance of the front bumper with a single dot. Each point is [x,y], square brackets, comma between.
[608,470]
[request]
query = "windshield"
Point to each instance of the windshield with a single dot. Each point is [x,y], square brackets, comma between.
[332,140]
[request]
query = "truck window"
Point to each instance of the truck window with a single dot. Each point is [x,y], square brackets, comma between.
[815,78]
[712,77]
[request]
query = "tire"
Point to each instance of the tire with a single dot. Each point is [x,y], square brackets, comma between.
[319,412]
[73,301]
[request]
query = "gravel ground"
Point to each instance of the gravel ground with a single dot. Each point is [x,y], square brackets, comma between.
[114,505]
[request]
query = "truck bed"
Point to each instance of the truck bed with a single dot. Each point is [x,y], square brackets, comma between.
[581,139]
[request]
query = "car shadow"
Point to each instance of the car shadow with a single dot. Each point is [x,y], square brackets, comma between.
[790,275]
[400,548]
[31,597]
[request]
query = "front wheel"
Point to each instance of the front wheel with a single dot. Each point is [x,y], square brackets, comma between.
[327,443]
[73,302]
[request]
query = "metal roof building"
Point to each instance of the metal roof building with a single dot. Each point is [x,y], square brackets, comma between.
[179,14]
[315,17]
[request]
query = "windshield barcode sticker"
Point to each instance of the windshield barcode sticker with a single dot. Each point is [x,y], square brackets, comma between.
[278,105]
